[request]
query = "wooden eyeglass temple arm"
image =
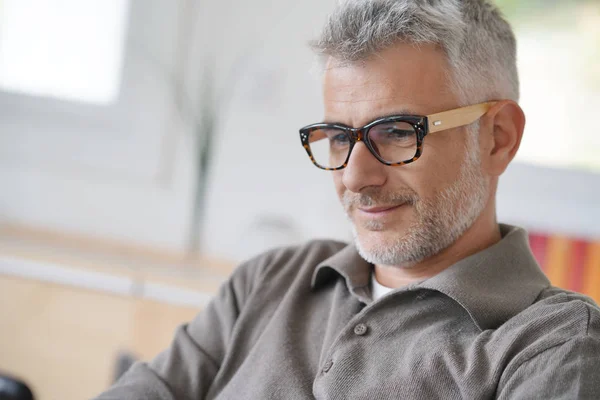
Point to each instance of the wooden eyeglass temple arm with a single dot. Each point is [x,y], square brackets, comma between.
[458,117]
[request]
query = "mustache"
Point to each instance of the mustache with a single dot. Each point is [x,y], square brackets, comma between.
[375,197]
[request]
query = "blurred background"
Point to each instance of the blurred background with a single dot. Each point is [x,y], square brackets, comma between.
[147,146]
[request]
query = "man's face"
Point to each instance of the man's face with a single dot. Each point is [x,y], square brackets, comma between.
[403,215]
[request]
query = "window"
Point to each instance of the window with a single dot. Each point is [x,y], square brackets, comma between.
[65,49]
[559,55]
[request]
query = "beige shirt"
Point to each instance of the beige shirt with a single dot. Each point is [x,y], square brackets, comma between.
[299,323]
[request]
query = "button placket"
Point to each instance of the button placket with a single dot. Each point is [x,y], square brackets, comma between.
[358,331]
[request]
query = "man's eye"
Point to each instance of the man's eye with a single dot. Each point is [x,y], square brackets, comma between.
[393,133]
[340,138]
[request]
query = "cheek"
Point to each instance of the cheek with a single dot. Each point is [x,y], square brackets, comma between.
[440,163]
[412,177]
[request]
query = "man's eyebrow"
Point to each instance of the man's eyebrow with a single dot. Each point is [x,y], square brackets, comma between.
[403,112]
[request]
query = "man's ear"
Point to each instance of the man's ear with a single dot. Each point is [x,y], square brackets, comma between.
[502,131]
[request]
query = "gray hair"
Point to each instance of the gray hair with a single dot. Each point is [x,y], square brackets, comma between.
[479,43]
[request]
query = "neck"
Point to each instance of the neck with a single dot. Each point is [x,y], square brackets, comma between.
[482,234]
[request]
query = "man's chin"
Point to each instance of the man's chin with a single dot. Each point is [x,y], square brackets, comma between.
[389,248]
[379,230]
[376,238]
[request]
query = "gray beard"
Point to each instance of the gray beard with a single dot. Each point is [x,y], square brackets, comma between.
[439,221]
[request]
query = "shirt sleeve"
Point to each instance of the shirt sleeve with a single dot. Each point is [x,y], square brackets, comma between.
[570,370]
[188,367]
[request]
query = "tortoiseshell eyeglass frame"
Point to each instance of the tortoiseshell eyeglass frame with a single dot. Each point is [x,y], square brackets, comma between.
[423,125]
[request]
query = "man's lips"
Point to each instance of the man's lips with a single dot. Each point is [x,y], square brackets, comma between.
[380,209]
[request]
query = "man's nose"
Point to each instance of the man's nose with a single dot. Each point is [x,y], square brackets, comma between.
[363,170]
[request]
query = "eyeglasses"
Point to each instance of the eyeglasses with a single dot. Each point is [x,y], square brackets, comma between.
[394,141]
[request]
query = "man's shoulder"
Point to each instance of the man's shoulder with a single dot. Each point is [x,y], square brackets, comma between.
[576,309]
[559,327]
[555,318]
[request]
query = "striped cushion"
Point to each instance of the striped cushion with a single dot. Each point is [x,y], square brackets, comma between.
[569,263]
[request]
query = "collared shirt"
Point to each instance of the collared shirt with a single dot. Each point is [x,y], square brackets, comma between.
[299,323]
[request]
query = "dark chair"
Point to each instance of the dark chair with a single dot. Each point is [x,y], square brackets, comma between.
[14,389]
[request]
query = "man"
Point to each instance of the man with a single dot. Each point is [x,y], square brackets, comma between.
[434,299]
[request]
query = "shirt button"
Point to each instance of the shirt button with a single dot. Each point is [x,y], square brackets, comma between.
[360,329]
[327,366]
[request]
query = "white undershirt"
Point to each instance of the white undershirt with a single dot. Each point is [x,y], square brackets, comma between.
[377,289]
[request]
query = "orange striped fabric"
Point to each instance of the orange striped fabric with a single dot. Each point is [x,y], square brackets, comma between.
[569,263]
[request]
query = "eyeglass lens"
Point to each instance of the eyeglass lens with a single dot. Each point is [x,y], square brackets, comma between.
[393,142]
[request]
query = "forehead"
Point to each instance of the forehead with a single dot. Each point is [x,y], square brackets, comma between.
[402,79]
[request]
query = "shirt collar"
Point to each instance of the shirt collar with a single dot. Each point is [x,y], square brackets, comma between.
[351,266]
[492,285]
